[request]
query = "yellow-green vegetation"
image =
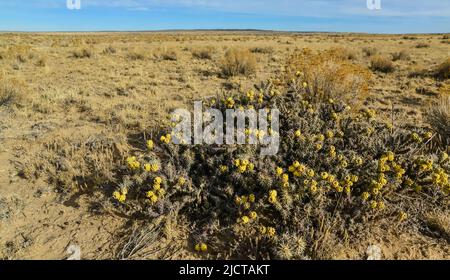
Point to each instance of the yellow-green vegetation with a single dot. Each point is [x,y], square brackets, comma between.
[337,170]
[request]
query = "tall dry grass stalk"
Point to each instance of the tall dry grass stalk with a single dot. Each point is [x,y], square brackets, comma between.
[439,118]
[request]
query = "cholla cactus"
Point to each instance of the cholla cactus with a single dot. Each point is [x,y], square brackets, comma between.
[333,164]
[290,247]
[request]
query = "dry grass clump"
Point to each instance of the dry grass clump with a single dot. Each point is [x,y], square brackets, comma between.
[439,118]
[370,51]
[407,37]
[169,54]
[263,50]
[381,64]
[19,53]
[73,161]
[422,45]
[328,75]
[446,37]
[344,53]
[42,61]
[136,55]
[401,55]
[160,239]
[438,223]
[12,91]
[238,62]
[442,71]
[109,50]
[203,53]
[83,53]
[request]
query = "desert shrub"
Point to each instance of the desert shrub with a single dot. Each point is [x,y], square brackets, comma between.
[438,222]
[109,50]
[12,91]
[370,51]
[439,118]
[381,64]
[401,55]
[19,53]
[442,71]
[446,37]
[328,75]
[83,53]
[336,173]
[407,37]
[344,53]
[422,45]
[136,55]
[42,61]
[238,62]
[203,53]
[166,54]
[21,58]
[418,72]
[170,55]
[264,50]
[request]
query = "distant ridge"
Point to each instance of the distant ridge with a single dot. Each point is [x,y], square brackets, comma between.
[245,30]
[175,30]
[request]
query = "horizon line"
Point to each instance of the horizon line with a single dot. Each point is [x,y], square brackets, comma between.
[223,30]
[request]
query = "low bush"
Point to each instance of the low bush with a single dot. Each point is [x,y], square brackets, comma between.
[109,50]
[327,75]
[12,91]
[238,62]
[422,45]
[401,55]
[442,71]
[381,64]
[136,55]
[203,53]
[370,51]
[83,53]
[264,50]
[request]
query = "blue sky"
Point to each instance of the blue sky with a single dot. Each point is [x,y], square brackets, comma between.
[395,16]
